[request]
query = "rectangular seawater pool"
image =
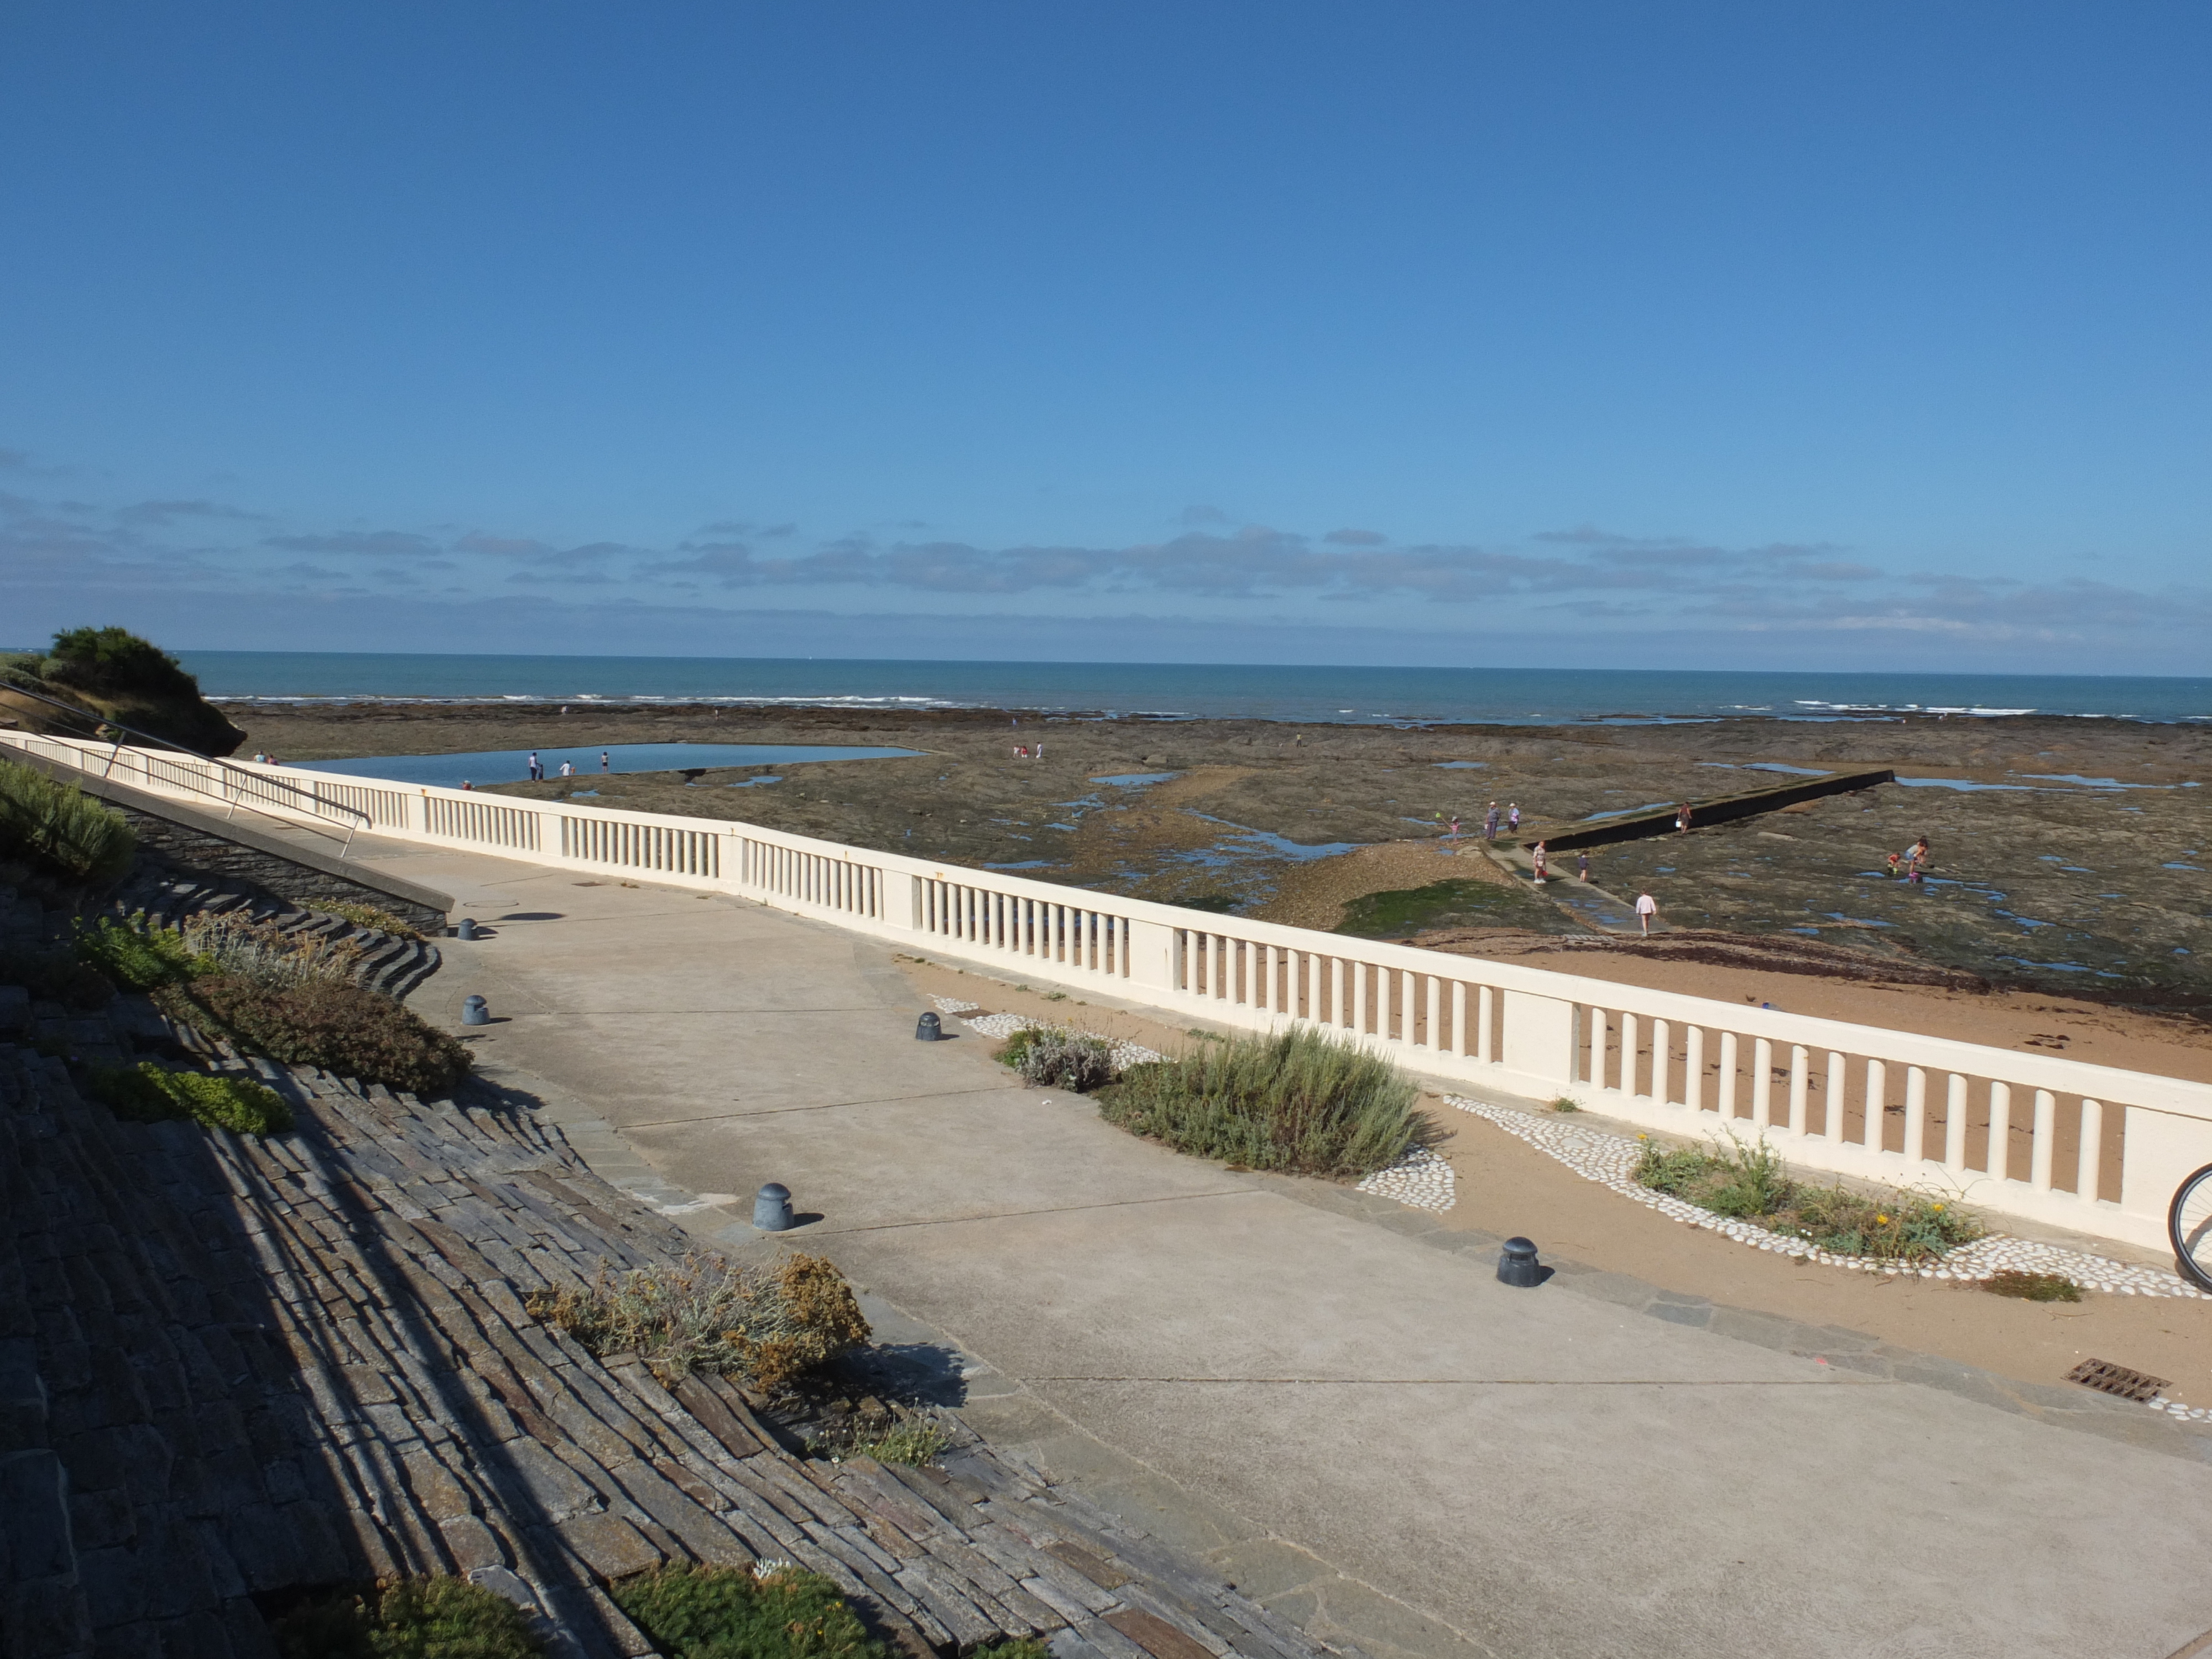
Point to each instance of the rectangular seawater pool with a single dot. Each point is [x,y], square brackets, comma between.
[511,765]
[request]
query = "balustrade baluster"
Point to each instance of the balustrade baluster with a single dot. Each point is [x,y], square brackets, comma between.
[2088,1181]
[1915,1114]
[1955,1125]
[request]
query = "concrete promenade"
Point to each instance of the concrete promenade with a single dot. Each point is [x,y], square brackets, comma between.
[1358,1428]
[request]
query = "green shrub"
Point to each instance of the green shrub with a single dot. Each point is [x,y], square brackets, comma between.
[115,662]
[57,975]
[60,829]
[1053,1057]
[232,944]
[1297,1100]
[766,1326]
[368,915]
[778,1611]
[340,1028]
[436,1618]
[885,1434]
[1746,1180]
[145,1093]
[137,957]
[139,684]
[1012,1647]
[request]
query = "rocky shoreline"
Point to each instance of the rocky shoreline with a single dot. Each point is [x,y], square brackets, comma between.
[2075,858]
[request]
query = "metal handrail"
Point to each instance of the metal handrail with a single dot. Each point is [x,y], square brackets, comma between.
[319,803]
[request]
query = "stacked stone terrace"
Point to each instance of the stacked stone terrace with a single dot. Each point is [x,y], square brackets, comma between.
[235,1371]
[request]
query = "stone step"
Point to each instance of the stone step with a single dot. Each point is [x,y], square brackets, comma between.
[269,1364]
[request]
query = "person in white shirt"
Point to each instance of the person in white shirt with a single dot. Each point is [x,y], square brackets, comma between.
[1646,907]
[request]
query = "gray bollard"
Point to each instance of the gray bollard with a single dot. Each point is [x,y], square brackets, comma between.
[1518,1264]
[929,1029]
[772,1208]
[475,1012]
[467,929]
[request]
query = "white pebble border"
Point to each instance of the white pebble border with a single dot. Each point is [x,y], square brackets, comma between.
[1003,1026]
[954,1006]
[1610,1160]
[1421,1179]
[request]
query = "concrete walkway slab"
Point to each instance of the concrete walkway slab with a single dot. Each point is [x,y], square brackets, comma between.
[1366,1430]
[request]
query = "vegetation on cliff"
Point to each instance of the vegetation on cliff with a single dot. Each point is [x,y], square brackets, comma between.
[111,674]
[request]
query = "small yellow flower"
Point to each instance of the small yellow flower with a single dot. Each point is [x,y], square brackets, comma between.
[1882,1220]
[1939,1209]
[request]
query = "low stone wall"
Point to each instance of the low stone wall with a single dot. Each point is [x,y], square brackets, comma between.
[176,834]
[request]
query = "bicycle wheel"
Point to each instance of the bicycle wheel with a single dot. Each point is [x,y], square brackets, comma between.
[2188,1225]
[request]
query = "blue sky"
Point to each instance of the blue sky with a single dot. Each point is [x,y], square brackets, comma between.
[1607,334]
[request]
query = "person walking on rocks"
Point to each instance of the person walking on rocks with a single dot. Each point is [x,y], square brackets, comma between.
[1646,908]
[603,761]
[1581,867]
[1540,857]
[537,766]
[1513,818]
[1490,823]
[1682,819]
[568,769]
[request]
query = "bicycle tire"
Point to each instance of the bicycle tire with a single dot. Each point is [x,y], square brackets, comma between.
[2189,1228]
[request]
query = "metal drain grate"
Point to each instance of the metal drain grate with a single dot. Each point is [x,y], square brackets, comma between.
[2105,1378]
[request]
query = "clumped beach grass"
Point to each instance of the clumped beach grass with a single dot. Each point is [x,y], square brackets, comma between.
[340,1027]
[368,915]
[1297,1101]
[1053,1057]
[768,1327]
[59,828]
[437,1617]
[773,1611]
[146,1093]
[1746,1180]
[886,1435]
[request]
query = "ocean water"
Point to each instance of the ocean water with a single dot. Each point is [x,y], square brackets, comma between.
[1513,696]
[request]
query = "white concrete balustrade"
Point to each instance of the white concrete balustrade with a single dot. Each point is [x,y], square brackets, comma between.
[2091,1148]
